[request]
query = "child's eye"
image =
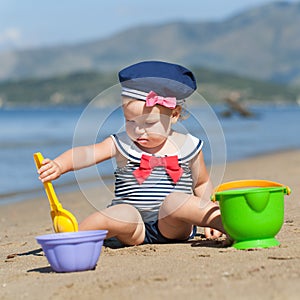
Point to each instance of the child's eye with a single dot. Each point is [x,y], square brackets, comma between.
[151,122]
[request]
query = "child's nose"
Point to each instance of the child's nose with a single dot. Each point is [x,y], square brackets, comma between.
[139,130]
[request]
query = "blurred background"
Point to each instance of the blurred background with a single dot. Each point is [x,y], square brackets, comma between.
[56,57]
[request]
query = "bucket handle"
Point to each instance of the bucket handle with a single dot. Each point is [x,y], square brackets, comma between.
[247,183]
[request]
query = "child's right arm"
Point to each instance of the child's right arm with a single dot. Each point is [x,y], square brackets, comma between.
[76,158]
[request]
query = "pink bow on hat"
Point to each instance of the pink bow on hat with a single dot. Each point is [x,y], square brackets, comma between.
[152,99]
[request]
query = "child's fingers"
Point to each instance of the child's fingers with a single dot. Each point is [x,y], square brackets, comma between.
[46,164]
[216,233]
[49,175]
[48,171]
[46,161]
[211,233]
[48,178]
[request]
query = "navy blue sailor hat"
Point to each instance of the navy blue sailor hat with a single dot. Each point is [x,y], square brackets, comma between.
[164,79]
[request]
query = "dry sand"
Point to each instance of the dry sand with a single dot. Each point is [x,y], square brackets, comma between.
[199,269]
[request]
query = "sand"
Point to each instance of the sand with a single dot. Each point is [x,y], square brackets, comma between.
[199,269]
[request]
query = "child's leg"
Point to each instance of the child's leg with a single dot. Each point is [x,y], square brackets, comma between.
[122,221]
[180,211]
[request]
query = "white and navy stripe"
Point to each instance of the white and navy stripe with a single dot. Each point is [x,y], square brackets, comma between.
[128,149]
[140,95]
[132,93]
[148,196]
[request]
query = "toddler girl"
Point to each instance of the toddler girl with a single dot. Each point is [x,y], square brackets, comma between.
[162,187]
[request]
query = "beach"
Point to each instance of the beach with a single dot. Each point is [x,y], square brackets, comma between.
[198,269]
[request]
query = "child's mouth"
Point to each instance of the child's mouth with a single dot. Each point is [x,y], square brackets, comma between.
[141,140]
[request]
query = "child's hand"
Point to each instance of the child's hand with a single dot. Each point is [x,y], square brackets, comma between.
[211,233]
[50,170]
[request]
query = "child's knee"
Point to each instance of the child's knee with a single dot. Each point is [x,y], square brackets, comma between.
[173,203]
[123,213]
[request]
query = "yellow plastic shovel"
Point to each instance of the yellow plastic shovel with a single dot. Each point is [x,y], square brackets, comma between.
[63,220]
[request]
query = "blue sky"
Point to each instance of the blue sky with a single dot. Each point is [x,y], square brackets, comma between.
[35,23]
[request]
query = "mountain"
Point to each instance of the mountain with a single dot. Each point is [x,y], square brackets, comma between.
[81,88]
[261,43]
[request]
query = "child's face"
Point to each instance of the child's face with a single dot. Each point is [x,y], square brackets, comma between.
[148,127]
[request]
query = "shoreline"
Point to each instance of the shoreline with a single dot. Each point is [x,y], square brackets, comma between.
[61,188]
[170,271]
[72,186]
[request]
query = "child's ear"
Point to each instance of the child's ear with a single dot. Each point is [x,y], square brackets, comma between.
[175,114]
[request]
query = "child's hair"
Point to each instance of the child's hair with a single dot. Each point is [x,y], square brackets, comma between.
[184,114]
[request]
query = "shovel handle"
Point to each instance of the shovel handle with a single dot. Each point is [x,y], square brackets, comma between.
[53,200]
[247,183]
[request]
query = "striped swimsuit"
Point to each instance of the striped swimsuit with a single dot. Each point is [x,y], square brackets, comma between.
[148,196]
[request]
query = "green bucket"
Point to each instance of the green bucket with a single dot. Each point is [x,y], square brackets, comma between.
[252,211]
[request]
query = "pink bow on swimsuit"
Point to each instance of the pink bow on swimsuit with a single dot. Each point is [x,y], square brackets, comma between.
[148,163]
[153,98]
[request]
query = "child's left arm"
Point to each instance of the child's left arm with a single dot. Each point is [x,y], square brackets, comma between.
[203,188]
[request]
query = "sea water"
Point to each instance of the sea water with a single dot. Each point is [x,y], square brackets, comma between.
[54,130]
